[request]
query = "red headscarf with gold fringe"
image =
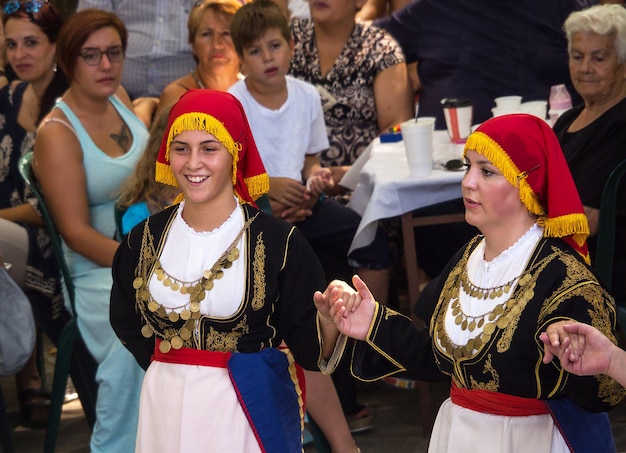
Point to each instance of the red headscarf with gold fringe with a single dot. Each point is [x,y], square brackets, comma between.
[220,114]
[526,151]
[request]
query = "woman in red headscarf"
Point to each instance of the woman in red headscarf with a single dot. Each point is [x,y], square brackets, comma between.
[486,311]
[205,292]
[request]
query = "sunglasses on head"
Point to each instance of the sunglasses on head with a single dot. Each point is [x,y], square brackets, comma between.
[32,6]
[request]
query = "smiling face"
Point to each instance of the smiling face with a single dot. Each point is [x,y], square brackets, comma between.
[202,167]
[266,61]
[29,51]
[212,44]
[104,78]
[594,67]
[492,204]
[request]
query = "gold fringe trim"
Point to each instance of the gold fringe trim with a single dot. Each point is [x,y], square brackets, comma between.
[488,147]
[574,225]
[258,185]
[163,174]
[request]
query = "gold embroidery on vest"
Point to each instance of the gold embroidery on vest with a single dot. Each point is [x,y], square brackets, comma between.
[226,341]
[258,297]
[491,385]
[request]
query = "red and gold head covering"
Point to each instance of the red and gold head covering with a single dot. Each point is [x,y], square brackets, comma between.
[526,151]
[220,114]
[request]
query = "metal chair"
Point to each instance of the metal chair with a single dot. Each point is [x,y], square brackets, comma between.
[605,241]
[70,332]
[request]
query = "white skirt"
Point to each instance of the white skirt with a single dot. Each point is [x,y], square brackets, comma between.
[461,430]
[191,408]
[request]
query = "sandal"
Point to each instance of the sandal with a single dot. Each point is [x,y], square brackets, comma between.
[360,422]
[34,407]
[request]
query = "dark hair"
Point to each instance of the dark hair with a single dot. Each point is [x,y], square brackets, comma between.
[50,22]
[77,30]
[252,20]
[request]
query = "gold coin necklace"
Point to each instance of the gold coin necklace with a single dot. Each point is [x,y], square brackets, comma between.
[196,289]
[470,322]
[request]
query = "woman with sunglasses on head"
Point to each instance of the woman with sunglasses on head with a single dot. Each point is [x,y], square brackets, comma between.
[31,30]
[85,148]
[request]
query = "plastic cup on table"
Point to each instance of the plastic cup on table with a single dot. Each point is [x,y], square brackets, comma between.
[536,108]
[418,144]
[508,102]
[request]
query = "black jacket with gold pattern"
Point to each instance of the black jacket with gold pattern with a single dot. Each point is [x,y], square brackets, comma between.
[508,359]
[282,274]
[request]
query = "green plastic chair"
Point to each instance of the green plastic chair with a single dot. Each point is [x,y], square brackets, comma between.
[605,242]
[70,332]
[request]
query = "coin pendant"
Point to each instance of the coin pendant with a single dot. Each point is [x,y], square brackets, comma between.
[153,306]
[175,286]
[165,347]
[146,331]
[173,316]
[137,282]
[177,342]
[185,314]
[185,334]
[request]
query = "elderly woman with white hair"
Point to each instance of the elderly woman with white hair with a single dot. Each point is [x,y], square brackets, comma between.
[593,134]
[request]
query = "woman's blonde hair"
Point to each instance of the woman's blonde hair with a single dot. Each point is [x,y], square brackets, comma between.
[141,184]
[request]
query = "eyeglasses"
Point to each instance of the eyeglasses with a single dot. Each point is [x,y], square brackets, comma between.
[33,6]
[93,56]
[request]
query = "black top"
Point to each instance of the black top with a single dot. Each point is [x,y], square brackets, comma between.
[283,272]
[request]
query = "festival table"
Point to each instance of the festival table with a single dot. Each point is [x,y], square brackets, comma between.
[383,188]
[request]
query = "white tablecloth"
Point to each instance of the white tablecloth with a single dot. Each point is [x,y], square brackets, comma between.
[385,189]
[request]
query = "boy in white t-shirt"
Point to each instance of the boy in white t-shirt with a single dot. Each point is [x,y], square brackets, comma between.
[287,121]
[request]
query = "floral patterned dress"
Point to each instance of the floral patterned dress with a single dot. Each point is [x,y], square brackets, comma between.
[347,91]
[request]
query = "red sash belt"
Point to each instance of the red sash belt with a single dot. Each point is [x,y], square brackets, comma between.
[189,356]
[496,403]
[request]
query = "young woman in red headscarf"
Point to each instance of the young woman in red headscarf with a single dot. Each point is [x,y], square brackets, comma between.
[486,311]
[205,292]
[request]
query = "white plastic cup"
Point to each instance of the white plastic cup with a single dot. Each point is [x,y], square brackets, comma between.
[418,145]
[499,111]
[427,120]
[537,108]
[508,102]
[458,115]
